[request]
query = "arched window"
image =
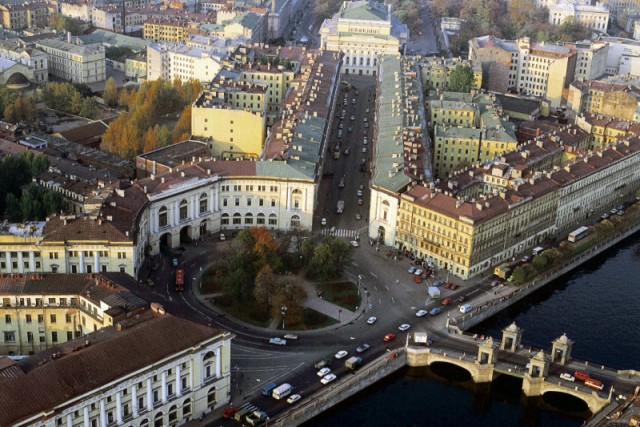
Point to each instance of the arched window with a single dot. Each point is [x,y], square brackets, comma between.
[204,203]
[295,221]
[183,210]
[207,364]
[173,413]
[296,198]
[237,219]
[211,397]
[186,408]
[385,210]
[163,217]
[248,219]
[260,219]
[224,219]
[158,421]
[144,423]
[273,219]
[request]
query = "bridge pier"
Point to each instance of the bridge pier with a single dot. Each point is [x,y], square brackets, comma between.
[561,350]
[511,338]
[533,382]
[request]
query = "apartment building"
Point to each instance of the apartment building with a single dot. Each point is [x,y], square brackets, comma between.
[19,16]
[363,31]
[275,79]
[620,99]
[232,116]
[538,69]
[77,9]
[169,371]
[604,129]
[35,59]
[170,61]
[591,62]
[623,56]
[167,29]
[436,72]
[595,16]
[40,311]
[74,63]
[248,24]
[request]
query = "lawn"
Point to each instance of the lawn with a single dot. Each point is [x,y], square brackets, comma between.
[344,294]
[250,312]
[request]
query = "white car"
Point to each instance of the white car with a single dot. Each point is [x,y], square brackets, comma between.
[326,380]
[354,243]
[290,337]
[364,149]
[277,341]
[421,313]
[404,327]
[323,221]
[222,237]
[341,354]
[293,399]
[568,377]
[371,320]
[418,272]
[324,371]
[359,193]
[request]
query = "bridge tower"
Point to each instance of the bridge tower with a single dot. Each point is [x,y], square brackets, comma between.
[511,337]
[534,378]
[486,361]
[561,350]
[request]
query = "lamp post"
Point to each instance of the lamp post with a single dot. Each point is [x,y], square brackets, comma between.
[284,311]
[339,313]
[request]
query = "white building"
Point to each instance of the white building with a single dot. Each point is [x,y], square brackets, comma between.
[77,64]
[623,56]
[364,31]
[594,17]
[171,61]
[77,9]
[151,370]
[592,59]
[35,59]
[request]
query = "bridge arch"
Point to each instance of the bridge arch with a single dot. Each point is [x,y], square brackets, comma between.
[461,366]
[594,401]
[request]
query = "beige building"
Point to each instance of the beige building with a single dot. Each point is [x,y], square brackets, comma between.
[35,59]
[152,370]
[170,61]
[363,31]
[436,72]
[620,100]
[595,17]
[19,16]
[167,29]
[232,116]
[74,63]
[41,311]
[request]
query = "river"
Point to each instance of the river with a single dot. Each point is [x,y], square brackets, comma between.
[595,305]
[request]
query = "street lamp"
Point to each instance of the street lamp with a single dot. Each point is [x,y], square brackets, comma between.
[284,311]
[339,313]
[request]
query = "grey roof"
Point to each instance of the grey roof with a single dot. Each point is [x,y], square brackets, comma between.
[365,10]
[109,38]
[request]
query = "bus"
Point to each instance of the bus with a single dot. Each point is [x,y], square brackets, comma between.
[281,391]
[578,234]
[594,384]
[179,280]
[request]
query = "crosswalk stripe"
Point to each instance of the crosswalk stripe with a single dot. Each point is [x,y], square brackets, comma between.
[340,232]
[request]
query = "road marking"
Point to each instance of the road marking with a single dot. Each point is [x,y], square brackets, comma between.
[380,301]
[393,300]
[373,274]
[375,287]
[354,264]
[387,288]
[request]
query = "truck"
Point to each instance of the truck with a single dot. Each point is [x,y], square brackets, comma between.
[502,271]
[434,292]
[353,363]
[340,207]
[421,338]
[256,417]
[179,279]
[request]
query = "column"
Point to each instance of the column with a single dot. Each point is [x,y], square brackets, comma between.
[152,213]
[178,381]
[134,400]
[164,387]
[8,257]
[218,373]
[194,211]
[217,199]
[32,261]
[289,199]
[170,213]
[96,261]
[149,395]
[103,414]
[69,420]
[20,266]
[87,422]
[212,195]
[118,408]
[190,376]
[81,254]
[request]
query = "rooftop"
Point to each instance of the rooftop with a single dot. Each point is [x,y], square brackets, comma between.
[365,10]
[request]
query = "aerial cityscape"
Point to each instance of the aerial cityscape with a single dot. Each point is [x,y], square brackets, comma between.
[319,213]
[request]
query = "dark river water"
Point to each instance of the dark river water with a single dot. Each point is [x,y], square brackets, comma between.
[596,305]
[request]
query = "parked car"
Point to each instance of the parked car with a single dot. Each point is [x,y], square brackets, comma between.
[323,221]
[417,279]
[354,243]
[363,348]
[404,327]
[359,193]
[324,371]
[223,237]
[358,217]
[418,272]
[174,262]
[421,313]
[291,337]
[453,286]
[411,270]
[230,412]
[389,337]
[568,377]
[434,311]
[438,283]
[341,354]
[371,320]
[326,380]
[293,399]
[446,301]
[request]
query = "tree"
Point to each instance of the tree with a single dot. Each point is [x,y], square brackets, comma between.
[461,79]
[307,249]
[293,296]
[182,131]
[164,136]
[21,110]
[519,275]
[541,262]
[110,94]
[265,287]
[264,246]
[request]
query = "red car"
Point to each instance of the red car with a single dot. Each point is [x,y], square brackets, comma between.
[417,279]
[230,412]
[389,337]
[446,301]
[453,286]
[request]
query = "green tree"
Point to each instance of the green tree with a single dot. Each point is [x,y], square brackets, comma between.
[307,249]
[110,94]
[519,275]
[37,163]
[21,110]
[164,136]
[461,79]
[265,288]
[541,262]
[13,208]
[115,52]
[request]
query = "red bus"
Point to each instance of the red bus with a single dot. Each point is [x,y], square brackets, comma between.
[179,279]
[581,375]
[594,384]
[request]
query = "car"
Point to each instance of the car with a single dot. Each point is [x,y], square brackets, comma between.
[353,101]
[411,270]
[349,129]
[341,354]
[453,286]
[323,372]
[365,141]
[277,341]
[293,399]
[291,337]
[404,327]
[174,262]
[435,311]
[620,212]
[526,258]
[359,193]
[438,283]
[361,187]
[364,149]
[620,207]
[354,243]
[347,150]
[367,111]
[446,301]
[341,183]
[421,313]
[323,221]
[389,337]
[365,120]
[358,217]
[613,211]
[326,380]
[371,320]
[567,377]
[418,272]
[417,279]
[363,348]
[360,201]
[353,118]
[461,299]
[366,125]
[604,216]
[230,412]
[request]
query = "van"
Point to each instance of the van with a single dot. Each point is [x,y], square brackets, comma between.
[465,308]
[268,389]
[537,250]
[281,391]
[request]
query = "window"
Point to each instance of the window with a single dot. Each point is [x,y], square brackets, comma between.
[7,319]
[203,203]
[273,203]
[248,219]
[237,201]
[260,201]
[162,217]
[186,407]
[224,219]
[40,318]
[237,219]
[54,336]
[10,337]
[260,219]
[52,317]
[295,221]
[28,318]
[30,337]
[273,219]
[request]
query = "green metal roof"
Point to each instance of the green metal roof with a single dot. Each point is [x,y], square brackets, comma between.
[109,38]
[365,10]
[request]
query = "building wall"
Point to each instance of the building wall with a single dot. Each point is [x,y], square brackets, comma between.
[383,211]
[496,64]
[74,67]
[166,32]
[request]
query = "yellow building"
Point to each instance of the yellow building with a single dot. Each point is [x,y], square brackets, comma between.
[44,310]
[617,99]
[171,30]
[276,80]
[436,72]
[605,129]
[232,117]
[24,15]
